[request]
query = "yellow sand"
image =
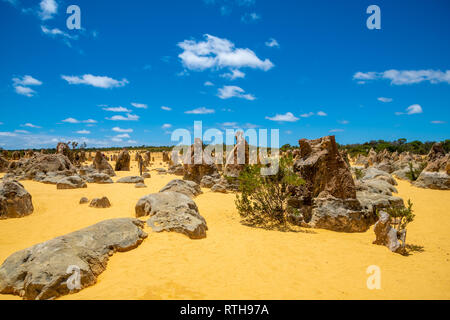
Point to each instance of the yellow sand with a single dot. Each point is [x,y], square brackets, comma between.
[239,262]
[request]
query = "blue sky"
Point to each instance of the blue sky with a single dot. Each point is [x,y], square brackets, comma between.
[137,70]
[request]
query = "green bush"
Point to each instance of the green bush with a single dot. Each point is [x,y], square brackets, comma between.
[263,200]
[400,218]
[413,174]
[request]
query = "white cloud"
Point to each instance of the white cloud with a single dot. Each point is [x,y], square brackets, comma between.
[413,109]
[272,43]
[56,32]
[73,120]
[321,114]
[217,53]
[402,77]
[307,115]
[288,117]
[117,109]
[7,134]
[129,117]
[166,108]
[118,129]
[208,84]
[26,81]
[96,81]
[234,74]
[201,110]
[233,91]
[21,131]
[230,124]
[438,122]
[25,91]
[30,125]
[337,130]
[166,126]
[139,105]
[123,135]
[83,132]
[385,100]
[49,8]
[250,17]
[344,122]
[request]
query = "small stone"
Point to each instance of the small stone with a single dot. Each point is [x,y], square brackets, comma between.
[84,200]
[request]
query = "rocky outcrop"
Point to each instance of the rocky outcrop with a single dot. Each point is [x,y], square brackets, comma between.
[41,167]
[436,174]
[4,164]
[123,161]
[186,187]
[196,165]
[385,234]
[102,165]
[176,169]
[131,179]
[238,158]
[172,211]
[72,182]
[100,203]
[328,197]
[15,155]
[51,269]
[15,201]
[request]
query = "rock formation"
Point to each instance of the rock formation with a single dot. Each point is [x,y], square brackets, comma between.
[15,201]
[132,179]
[100,203]
[50,269]
[385,234]
[102,165]
[123,161]
[436,174]
[196,170]
[172,211]
[186,187]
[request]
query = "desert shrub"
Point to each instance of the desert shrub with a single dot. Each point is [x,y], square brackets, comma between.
[400,218]
[413,174]
[263,200]
[359,173]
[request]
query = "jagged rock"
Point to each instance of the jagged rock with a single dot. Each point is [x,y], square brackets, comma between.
[43,270]
[238,158]
[4,164]
[41,166]
[172,211]
[436,174]
[100,203]
[371,201]
[123,161]
[176,169]
[197,164]
[72,182]
[385,234]
[166,157]
[102,165]
[132,179]
[186,187]
[15,201]
[208,182]
[433,180]
[374,173]
[15,155]
[376,186]
[140,185]
[84,200]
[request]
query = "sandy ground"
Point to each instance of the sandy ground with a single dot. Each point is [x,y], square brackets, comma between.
[239,262]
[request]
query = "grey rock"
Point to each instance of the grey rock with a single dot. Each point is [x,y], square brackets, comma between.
[132,179]
[186,187]
[72,182]
[176,169]
[172,211]
[41,271]
[140,185]
[207,182]
[15,201]
[433,180]
[84,200]
[219,188]
[100,203]
[371,201]
[146,175]
[385,234]
[101,178]
[374,173]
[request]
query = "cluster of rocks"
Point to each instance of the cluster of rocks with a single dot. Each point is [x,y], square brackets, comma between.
[436,174]
[172,209]
[68,263]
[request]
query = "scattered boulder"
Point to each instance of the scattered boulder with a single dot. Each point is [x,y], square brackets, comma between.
[15,201]
[123,161]
[186,187]
[140,185]
[84,200]
[45,270]
[161,170]
[146,175]
[207,182]
[100,178]
[100,203]
[176,169]
[72,182]
[219,188]
[131,179]
[172,211]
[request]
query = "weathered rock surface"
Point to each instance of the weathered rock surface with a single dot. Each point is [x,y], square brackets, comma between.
[100,178]
[172,211]
[385,234]
[123,161]
[72,182]
[238,158]
[433,180]
[176,169]
[186,187]
[15,201]
[131,179]
[84,200]
[146,175]
[436,174]
[42,271]
[4,164]
[220,188]
[100,203]
[102,165]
